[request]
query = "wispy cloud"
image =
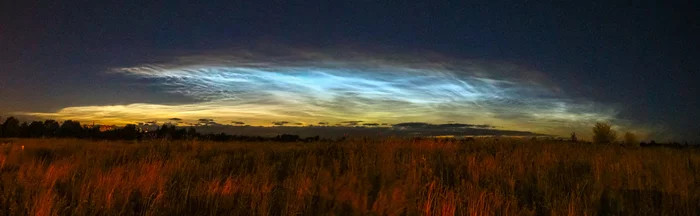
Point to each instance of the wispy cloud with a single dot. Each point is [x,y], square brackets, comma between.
[309,87]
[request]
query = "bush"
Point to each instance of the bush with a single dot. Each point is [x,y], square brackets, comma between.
[631,139]
[603,133]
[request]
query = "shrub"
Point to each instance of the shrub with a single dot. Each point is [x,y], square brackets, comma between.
[631,139]
[603,133]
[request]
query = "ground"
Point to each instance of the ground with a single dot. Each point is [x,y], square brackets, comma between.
[352,177]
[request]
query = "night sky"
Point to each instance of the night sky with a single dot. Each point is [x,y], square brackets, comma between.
[546,67]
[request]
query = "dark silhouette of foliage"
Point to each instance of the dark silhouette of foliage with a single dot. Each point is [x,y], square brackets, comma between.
[573,137]
[71,128]
[631,139]
[191,132]
[36,129]
[51,128]
[287,138]
[11,127]
[129,132]
[166,131]
[24,130]
[603,133]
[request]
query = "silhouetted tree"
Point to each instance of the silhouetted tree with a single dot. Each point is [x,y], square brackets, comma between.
[51,128]
[164,131]
[312,139]
[129,132]
[95,133]
[192,133]
[70,128]
[573,137]
[631,139]
[11,127]
[603,133]
[179,133]
[24,130]
[287,138]
[36,129]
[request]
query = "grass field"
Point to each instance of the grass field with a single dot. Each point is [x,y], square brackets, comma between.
[354,177]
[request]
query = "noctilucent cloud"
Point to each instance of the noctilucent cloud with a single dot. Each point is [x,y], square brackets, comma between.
[310,87]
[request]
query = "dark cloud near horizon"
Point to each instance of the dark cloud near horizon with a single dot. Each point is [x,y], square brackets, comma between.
[352,123]
[424,125]
[207,122]
[339,131]
[280,123]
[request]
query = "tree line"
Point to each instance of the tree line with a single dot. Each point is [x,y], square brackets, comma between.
[12,128]
[604,134]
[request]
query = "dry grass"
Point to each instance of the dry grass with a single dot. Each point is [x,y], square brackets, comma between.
[358,177]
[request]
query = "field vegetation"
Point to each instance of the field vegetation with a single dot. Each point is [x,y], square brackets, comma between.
[389,176]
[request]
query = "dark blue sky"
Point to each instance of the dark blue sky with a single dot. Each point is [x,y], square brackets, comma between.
[638,56]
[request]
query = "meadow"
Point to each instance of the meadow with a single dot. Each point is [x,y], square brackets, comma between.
[389,176]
